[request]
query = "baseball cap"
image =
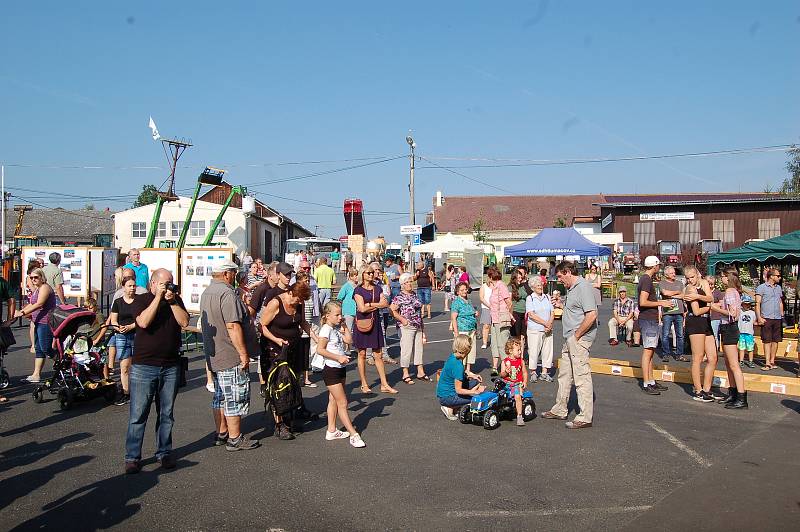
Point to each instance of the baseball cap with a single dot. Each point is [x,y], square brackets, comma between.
[224,267]
[285,268]
[746,299]
[622,289]
[651,261]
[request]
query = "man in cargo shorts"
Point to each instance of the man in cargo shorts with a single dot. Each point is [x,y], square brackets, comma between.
[648,323]
[228,341]
[769,314]
[579,324]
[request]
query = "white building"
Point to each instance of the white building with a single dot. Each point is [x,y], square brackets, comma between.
[262,233]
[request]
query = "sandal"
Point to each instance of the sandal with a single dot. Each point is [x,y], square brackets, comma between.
[408,380]
[309,385]
[681,359]
[3,399]
[388,390]
[766,367]
[423,378]
[366,389]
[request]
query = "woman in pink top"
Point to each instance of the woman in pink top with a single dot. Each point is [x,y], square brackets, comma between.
[500,310]
[729,308]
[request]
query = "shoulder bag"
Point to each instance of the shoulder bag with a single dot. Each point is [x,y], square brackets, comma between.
[365,325]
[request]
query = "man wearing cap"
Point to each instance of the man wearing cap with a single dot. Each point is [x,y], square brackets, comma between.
[648,323]
[279,275]
[229,339]
[623,317]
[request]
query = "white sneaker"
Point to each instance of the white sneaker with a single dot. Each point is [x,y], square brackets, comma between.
[356,441]
[448,412]
[210,387]
[336,435]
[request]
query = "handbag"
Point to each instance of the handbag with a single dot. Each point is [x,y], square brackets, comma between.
[6,337]
[365,325]
[505,317]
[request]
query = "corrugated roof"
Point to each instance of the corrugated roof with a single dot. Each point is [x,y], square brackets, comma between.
[620,200]
[513,213]
[54,224]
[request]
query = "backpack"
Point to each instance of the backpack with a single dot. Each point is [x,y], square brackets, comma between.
[283,389]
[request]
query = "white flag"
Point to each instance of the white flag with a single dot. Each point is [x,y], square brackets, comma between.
[154,129]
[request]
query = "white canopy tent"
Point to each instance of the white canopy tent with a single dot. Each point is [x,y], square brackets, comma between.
[445,244]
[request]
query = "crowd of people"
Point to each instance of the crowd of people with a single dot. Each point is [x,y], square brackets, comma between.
[285,314]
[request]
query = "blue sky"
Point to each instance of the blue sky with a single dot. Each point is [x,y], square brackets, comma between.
[255,84]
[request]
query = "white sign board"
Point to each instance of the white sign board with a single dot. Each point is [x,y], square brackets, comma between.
[607,221]
[74,266]
[196,266]
[410,229]
[156,258]
[663,216]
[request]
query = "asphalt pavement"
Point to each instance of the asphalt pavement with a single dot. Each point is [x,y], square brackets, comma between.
[654,462]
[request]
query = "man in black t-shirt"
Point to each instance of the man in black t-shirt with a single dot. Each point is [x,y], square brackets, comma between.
[648,323]
[160,316]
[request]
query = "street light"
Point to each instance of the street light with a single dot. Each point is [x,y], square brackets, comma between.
[411,145]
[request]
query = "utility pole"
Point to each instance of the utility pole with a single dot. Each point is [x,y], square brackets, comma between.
[3,187]
[412,145]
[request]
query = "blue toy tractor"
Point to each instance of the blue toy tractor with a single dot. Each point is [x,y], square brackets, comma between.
[489,407]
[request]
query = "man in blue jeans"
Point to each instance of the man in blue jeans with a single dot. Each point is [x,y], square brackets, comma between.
[160,316]
[672,288]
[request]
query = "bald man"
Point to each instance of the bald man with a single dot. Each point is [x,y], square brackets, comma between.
[154,375]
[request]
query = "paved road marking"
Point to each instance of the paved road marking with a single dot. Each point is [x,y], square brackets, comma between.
[679,444]
[543,513]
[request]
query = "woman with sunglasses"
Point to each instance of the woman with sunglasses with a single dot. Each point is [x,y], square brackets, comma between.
[42,303]
[369,300]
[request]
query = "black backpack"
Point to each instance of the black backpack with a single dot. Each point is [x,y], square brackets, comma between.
[283,389]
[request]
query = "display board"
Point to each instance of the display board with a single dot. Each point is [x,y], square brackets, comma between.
[196,266]
[74,266]
[156,258]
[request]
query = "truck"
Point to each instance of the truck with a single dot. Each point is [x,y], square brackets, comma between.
[630,256]
[669,253]
[706,248]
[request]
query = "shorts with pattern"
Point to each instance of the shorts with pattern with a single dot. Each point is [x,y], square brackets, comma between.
[746,342]
[514,388]
[231,392]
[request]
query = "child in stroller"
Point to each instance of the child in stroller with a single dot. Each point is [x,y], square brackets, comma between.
[80,357]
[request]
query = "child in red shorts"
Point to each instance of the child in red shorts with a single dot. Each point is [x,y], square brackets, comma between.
[514,374]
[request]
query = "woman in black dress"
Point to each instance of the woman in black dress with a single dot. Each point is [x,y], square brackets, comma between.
[282,323]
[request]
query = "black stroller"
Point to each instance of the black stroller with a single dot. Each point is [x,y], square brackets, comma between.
[78,363]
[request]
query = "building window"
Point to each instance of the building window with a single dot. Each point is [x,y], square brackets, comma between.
[162,229]
[139,230]
[175,229]
[644,233]
[221,229]
[689,232]
[197,228]
[769,228]
[723,230]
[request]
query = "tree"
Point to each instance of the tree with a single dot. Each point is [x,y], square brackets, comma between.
[791,185]
[478,230]
[559,222]
[89,206]
[148,195]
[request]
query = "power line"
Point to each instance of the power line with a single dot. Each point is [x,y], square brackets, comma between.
[464,175]
[64,211]
[316,174]
[551,162]
[184,167]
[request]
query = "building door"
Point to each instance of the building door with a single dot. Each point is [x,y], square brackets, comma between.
[267,247]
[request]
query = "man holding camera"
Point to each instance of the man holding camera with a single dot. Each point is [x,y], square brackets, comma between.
[154,374]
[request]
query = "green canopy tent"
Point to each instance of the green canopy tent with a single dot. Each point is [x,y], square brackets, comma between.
[783,249]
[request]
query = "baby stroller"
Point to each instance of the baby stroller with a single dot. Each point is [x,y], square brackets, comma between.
[78,363]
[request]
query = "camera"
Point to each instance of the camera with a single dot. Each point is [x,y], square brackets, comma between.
[172,287]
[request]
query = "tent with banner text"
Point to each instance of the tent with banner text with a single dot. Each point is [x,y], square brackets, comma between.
[555,241]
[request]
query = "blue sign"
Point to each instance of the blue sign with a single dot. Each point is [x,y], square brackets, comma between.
[417,240]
